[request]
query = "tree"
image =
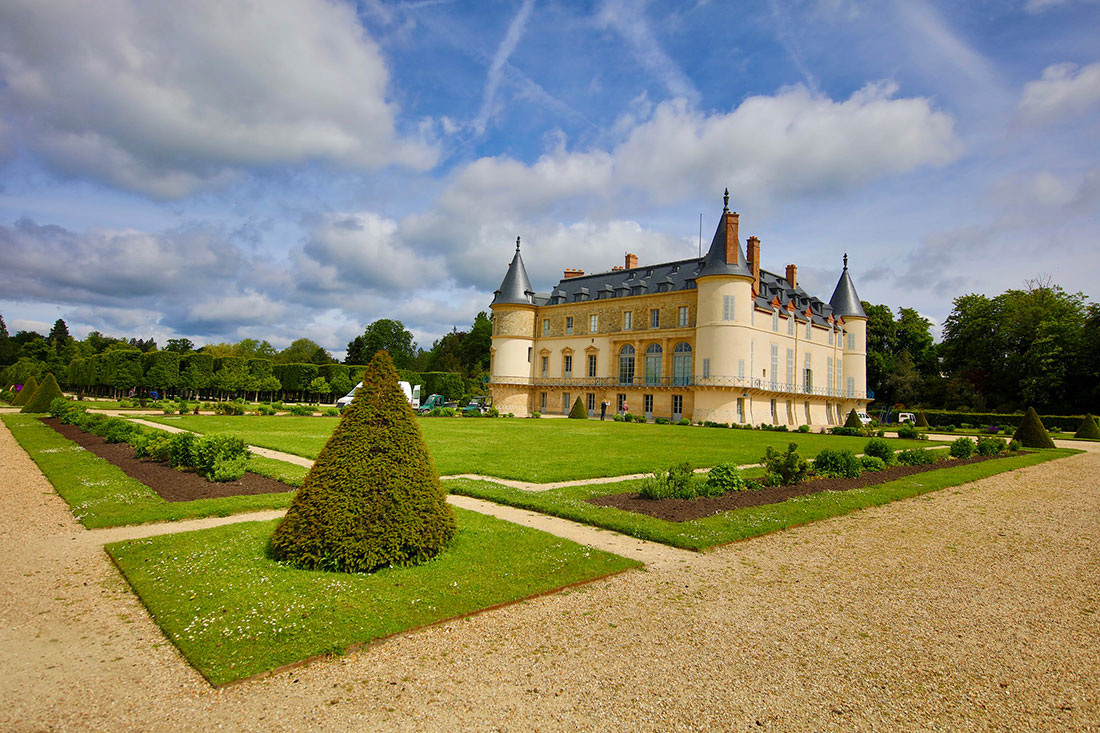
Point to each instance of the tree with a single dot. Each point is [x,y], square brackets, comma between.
[179,346]
[383,335]
[7,350]
[59,335]
[300,351]
[372,498]
[476,345]
[319,386]
[901,355]
[320,356]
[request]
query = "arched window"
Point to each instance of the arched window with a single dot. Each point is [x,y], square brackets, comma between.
[653,364]
[626,365]
[681,363]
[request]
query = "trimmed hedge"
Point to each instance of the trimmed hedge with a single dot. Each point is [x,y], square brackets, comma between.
[853,420]
[578,412]
[1031,432]
[43,396]
[1088,429]
[24,395]
[372,498]
[922,420]
[939,418]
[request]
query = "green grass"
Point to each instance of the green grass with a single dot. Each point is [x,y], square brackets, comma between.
[234,613]
[101,495]
[540,450]
[739,524]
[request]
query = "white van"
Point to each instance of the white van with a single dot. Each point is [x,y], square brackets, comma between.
[863,418]
[412,394]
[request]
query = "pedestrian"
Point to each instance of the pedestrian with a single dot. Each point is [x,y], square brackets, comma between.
[626,408]
[603,409]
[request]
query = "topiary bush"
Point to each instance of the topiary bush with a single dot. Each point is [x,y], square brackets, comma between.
[879,448]
[24,395]
[1031,432]
[962,448]
[872,463]
[372,498]
[578,412]
[46,393]
[922,421]
[853,421]
[1088,429]
[910,432]
[990,446]
[781,469]
[723,478]
[836,464]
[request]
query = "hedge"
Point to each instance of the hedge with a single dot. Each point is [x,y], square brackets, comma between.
[939,418]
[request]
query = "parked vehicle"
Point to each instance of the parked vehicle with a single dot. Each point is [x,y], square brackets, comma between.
[863,418]
[480,405]
[412,394]
[906,417]
[434,401]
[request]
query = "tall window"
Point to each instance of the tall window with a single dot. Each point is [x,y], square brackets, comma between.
[655,318]
[706,368]
[681,363]
[790,368]
[809,329]
[677,404]
[626,365]
[682,316]
[775,415]
[851,386]
[851,342]
[775,319]
[567,366]
[545,366]
[648,404]
[545,326]
[839,374]
[569,325]
[566,403]
[592,366]
[775,364]
[727,308]
[528,354]
[591,401]
[790,325]
[740,409]
[831,342]
[593,321]
[653,364]
[741,368]
[628,320]
[542,403]
[829,375]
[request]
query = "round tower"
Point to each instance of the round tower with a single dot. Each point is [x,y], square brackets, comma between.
[846,304]
[510,368]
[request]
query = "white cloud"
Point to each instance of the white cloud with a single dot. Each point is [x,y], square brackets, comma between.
[165,98]
[1063,90]
[496,68]
[1040,6]
[628,19]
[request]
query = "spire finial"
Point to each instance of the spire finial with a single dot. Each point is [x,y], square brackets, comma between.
[726,201]
[845,260]
[517,247]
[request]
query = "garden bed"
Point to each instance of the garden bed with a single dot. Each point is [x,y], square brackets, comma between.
[685,510]
[170,484]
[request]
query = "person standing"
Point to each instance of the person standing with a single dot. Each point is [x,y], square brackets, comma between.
[626,408]
[603,409]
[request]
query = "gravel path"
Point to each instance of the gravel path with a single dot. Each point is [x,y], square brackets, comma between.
[971,608]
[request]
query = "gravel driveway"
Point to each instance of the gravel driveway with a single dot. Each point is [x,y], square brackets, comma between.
[976,607]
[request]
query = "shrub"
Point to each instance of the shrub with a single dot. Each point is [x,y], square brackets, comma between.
[265,410]
[229,408]
[990,446]
[46,393]
[948,428]
[1088,429]
[922,421]
[853,421]
[228,469]
[24,395]
[872,463]
[578,412]
[908,432]
[1031,432]
[157,447]
[330,412]
[803,428]
[661,421]
[962,448]
[879,448]
[536,414]
[73,416]
[916,457]
[836,464]
[372,498]
[212,450]
[723,478]
[1014,445]
[844,430]
[181,450]
[678,482]
[307,410]
[781,469]
[684,421]
[117,430]
[58,406]
[637,418]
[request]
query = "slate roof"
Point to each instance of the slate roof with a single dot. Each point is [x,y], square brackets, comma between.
[845,300]
[516,287]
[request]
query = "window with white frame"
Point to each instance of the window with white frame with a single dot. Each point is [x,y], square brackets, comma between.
[829,374]
[647,404]
[677,404]
[851,386]
[545,326]
[545,366]
[740,409]
[741,368]
[727,308]
[591,401]
[542,403]
[593,322]
[567,366]
[566,404]
[790,325]
[655,318]
[775,319]
[592,366]
[775,363]
[851,342]
[839,374]
[706,368]
[790,368]
[569,325]
[810,329]
[628,320]
[682,316]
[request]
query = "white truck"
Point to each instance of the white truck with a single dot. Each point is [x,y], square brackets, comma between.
[412,394]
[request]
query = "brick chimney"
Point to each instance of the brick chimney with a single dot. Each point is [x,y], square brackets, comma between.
[732,221]
[572,273]
[631,261]
[792,275]
[617,268]
[752,254]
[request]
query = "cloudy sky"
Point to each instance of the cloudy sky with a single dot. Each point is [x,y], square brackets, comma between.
[222,169]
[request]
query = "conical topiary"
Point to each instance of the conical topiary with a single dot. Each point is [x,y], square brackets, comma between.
[922,421]
[1088,428]
[43,396]
[853,420]
[24,395]
[373,497]
[578,412]
[1031,432]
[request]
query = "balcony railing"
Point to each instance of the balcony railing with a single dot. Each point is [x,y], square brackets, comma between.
[696,380]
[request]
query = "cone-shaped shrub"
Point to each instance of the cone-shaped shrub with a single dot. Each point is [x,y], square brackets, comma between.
[922,421]
[853,420]
[1088,429]
[24,395]
[373,497]
[43,396]
[1031,432]
[578,412]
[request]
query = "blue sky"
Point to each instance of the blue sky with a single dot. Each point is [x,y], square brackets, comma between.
[220,169]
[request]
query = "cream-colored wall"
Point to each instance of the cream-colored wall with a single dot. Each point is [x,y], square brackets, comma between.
[513,327]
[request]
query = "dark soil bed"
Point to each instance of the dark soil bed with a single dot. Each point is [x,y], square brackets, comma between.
[170,484]
[684,510]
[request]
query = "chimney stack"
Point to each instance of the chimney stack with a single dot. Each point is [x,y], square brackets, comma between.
[792,275]
[631,261]
[572,273]
[617,268]
[752,254]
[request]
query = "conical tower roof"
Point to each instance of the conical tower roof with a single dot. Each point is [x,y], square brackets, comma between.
[845,300]
[725,256]
[515,288]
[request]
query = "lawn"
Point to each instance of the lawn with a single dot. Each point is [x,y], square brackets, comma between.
[234,613]
[700,534]
[101,495]
[540,450]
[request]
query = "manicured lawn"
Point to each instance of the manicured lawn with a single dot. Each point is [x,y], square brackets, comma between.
[700,534]
[101,495]
[540,450]
[234,613]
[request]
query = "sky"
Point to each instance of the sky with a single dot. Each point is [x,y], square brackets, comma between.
[228,169]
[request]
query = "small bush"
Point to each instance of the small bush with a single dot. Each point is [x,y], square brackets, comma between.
[1031,432]
[118,430]
[1088,428]
[803,428]
[916,457]
[908,432]
[781,469]
[330,412]
[73,416]
[723,478]
[228,469]
[879,448]
[684,421]
[58,406]
[229,408]
[872,463]
[678,482]
[212,450]
[169,409]
[304,410]
[990,446]
[577,412]
[265,410]
[853,421]
[962,448]
[181,450]
[843,430]
[156,446]
[1014,445]
[661,421]
[536,414]
[637,418]
[836,464]
[948,428]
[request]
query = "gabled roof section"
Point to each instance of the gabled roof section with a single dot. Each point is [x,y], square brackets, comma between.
[845,300]
[725,256]
[515,288]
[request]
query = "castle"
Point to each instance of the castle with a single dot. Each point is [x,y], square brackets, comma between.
[713,338]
